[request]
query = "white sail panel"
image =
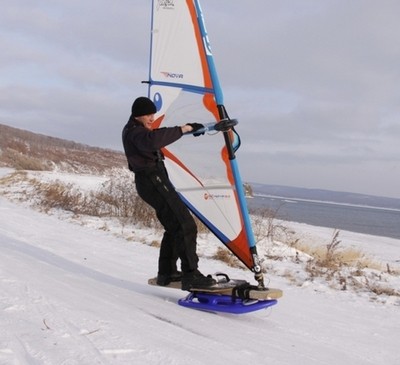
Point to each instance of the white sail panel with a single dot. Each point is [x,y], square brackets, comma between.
[172,33]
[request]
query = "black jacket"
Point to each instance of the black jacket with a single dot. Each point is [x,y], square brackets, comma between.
[142,146]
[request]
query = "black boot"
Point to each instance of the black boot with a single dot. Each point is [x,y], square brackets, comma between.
[165,279]
[195,279]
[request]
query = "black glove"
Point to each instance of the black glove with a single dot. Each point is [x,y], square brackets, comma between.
[196,127]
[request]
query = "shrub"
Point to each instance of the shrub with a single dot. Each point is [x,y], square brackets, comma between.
[266,226]
[224,255]
[22,161]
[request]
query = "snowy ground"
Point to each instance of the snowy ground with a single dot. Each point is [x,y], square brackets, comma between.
[74,294]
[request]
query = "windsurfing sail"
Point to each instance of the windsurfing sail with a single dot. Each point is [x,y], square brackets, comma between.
[183,83]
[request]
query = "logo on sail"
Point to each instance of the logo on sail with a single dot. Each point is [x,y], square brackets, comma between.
[172,75]
[216,196]
[165,4]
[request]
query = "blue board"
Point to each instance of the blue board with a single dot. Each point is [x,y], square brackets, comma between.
[223,303]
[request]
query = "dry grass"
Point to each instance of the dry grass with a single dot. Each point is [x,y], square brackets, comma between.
[116,198]
[344,268]
[333,257]
[224,255]
[22,161]
[380,289]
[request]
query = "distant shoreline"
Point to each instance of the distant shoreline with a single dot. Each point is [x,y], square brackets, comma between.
[289,199]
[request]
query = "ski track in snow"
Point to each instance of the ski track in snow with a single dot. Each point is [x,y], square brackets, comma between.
[75,295]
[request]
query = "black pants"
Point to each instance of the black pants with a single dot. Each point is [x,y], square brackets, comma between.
[179,239]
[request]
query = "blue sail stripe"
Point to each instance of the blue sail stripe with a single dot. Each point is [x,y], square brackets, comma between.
[186,87]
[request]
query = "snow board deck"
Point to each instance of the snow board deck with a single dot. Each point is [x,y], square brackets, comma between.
[230,287]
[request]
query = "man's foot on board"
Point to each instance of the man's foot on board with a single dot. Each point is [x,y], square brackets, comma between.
[195,279]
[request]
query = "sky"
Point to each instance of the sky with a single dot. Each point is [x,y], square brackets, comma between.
[314,84]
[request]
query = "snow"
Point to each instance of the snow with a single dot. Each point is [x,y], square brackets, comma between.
[385,249]
[85,182]
[73,294]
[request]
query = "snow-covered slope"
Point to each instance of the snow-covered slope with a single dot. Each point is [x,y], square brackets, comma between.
[71,294]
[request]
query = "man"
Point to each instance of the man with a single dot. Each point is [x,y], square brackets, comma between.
[142,146]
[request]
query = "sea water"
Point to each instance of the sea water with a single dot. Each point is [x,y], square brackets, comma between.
[379,221]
